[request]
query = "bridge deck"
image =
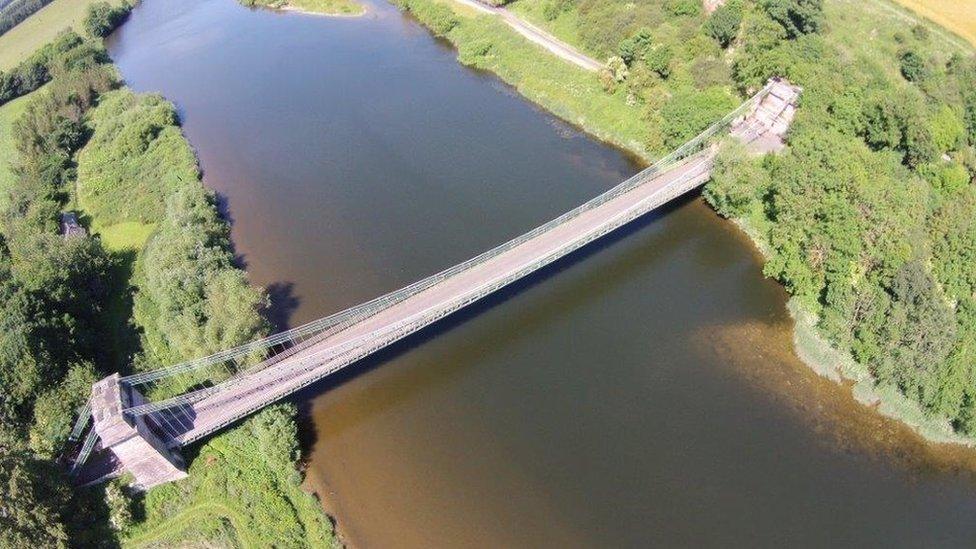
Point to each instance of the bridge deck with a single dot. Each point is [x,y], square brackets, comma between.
[331,343]
[429,305]
[761,131]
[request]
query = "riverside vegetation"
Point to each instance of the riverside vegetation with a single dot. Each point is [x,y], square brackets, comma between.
[160,256]
[324,7]
[867,218]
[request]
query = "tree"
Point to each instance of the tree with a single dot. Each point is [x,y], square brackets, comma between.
[636,46]
[32,494]
[737,181]
[797,17]
[102,18]
[966,422]
[723,24]
[948,130]
[921,329]
[658,59]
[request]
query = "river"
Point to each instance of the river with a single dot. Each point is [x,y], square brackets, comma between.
[641,392]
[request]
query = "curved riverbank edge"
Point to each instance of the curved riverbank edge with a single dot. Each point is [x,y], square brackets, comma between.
[810,345]
[813,349]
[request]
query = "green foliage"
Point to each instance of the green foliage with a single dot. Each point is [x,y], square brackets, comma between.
[68,51]
[636,46]
[948,178]
[51,288]
[102,18]
[55,408]
[797,17]
[15,11]
[966,422]
[659,60]
[723,24]
[135,159]
[243,490]
[119,504]
[32,496]
[863,220]
[912,66]
[899,122]
[689,112]
[738,182]
[438,17]
[192,300]
[683,7]
[948,130]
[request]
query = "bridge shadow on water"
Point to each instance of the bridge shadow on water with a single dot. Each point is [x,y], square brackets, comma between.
[304,398]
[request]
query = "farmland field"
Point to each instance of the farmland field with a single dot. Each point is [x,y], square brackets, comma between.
[959,16]
[40,28]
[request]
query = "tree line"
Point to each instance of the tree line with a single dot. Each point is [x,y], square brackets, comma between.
[68,48]
[869,213]
[190,298]
[52,293]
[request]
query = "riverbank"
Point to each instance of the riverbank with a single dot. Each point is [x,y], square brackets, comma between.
[486,44]
[245,476]
[816,352]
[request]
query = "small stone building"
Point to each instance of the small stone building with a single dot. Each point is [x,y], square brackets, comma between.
[70,227]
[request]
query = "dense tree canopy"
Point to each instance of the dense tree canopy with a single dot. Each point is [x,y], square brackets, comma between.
[868,214]
[102,18]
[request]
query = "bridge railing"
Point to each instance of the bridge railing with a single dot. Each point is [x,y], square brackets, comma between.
[338,322]
[324,327]
[262,389]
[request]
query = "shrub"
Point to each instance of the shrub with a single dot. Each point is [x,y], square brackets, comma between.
[658,59]
[912,65]
[636,46]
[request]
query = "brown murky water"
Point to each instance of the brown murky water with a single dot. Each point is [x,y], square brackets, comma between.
[642,392]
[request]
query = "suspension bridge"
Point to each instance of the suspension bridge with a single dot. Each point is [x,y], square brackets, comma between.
[137,423]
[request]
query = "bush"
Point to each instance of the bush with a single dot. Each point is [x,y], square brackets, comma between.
[658,59]
[912,66]
[689,112]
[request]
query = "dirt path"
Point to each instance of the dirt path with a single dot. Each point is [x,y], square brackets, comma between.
[539,36]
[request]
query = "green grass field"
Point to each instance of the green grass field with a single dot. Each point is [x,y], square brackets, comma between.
[8,113]
[40,28]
